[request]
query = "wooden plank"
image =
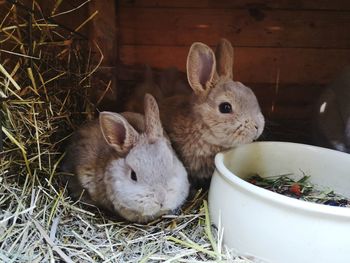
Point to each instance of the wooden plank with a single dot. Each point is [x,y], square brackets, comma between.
[288,94]
[254,65]
[43,9]
[287,112]
[70,20]
[292,130]
[103,32]
[169,26]
[266,4]
[293,95]
[103,29]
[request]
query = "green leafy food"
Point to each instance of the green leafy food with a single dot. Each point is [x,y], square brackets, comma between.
[301,189]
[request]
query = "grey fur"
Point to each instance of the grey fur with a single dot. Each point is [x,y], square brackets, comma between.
[102,156]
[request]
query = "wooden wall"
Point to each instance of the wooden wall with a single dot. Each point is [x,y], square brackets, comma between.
[286,50]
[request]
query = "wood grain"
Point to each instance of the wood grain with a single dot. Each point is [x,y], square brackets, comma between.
[301,45]
[254,65]
[103,35]
[103,29]
[269,28]
[266,4]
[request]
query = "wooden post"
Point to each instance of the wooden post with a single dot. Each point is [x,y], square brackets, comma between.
[103,32]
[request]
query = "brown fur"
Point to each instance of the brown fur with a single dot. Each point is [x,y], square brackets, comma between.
[91,165]
[193,123]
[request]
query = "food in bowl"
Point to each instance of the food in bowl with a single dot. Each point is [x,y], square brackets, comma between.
[301,189]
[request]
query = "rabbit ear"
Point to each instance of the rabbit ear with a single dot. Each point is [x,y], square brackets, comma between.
[200,67]
[224,58]
[153,125]
[117,132]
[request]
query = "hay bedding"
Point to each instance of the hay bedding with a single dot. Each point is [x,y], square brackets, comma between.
[45,75]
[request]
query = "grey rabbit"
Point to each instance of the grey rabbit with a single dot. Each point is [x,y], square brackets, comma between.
[331,121]
[125,163]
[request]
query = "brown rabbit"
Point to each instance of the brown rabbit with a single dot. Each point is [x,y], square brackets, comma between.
[219,114]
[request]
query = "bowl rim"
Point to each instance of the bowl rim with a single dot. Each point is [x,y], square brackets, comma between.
[276,198]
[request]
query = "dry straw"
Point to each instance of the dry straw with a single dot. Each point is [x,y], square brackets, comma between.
[45,71]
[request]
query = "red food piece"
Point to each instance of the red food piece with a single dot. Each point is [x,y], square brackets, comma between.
[295,189]
[252,181]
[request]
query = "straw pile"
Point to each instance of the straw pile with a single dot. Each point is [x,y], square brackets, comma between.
[45,75]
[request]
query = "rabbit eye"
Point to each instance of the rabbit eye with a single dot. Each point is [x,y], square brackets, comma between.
[225,107]
[133,176]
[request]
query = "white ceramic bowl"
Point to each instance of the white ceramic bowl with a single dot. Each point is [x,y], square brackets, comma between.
[273,227]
